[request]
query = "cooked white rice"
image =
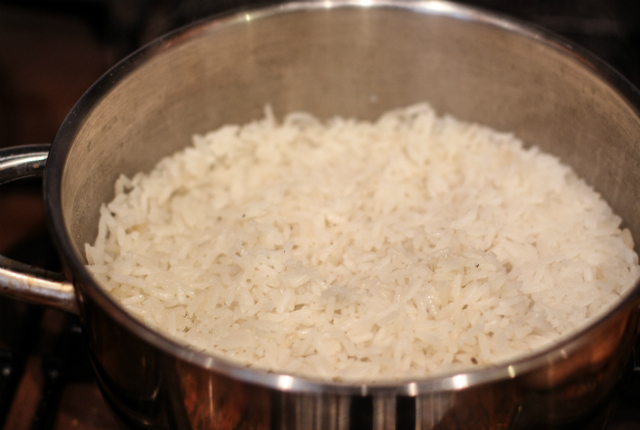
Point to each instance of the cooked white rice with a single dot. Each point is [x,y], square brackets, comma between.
[351,250]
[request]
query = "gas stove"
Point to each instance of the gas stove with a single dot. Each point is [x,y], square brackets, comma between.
[50,53]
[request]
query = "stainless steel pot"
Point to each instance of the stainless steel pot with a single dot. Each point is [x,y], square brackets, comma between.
[352,58]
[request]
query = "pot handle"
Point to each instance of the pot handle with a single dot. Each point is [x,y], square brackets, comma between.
[21,281]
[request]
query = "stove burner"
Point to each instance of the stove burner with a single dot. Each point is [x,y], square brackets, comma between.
[46,379]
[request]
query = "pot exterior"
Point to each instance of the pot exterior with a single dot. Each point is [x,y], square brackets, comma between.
[355,60]
[149,388]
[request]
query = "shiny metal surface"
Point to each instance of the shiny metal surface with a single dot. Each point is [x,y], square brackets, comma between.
[22,162]
[36,286]
[359,59]
[20,281]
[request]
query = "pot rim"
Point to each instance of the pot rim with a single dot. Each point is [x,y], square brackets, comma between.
[73,124]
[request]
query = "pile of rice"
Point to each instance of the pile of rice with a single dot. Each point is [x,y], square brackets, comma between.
[350,250]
